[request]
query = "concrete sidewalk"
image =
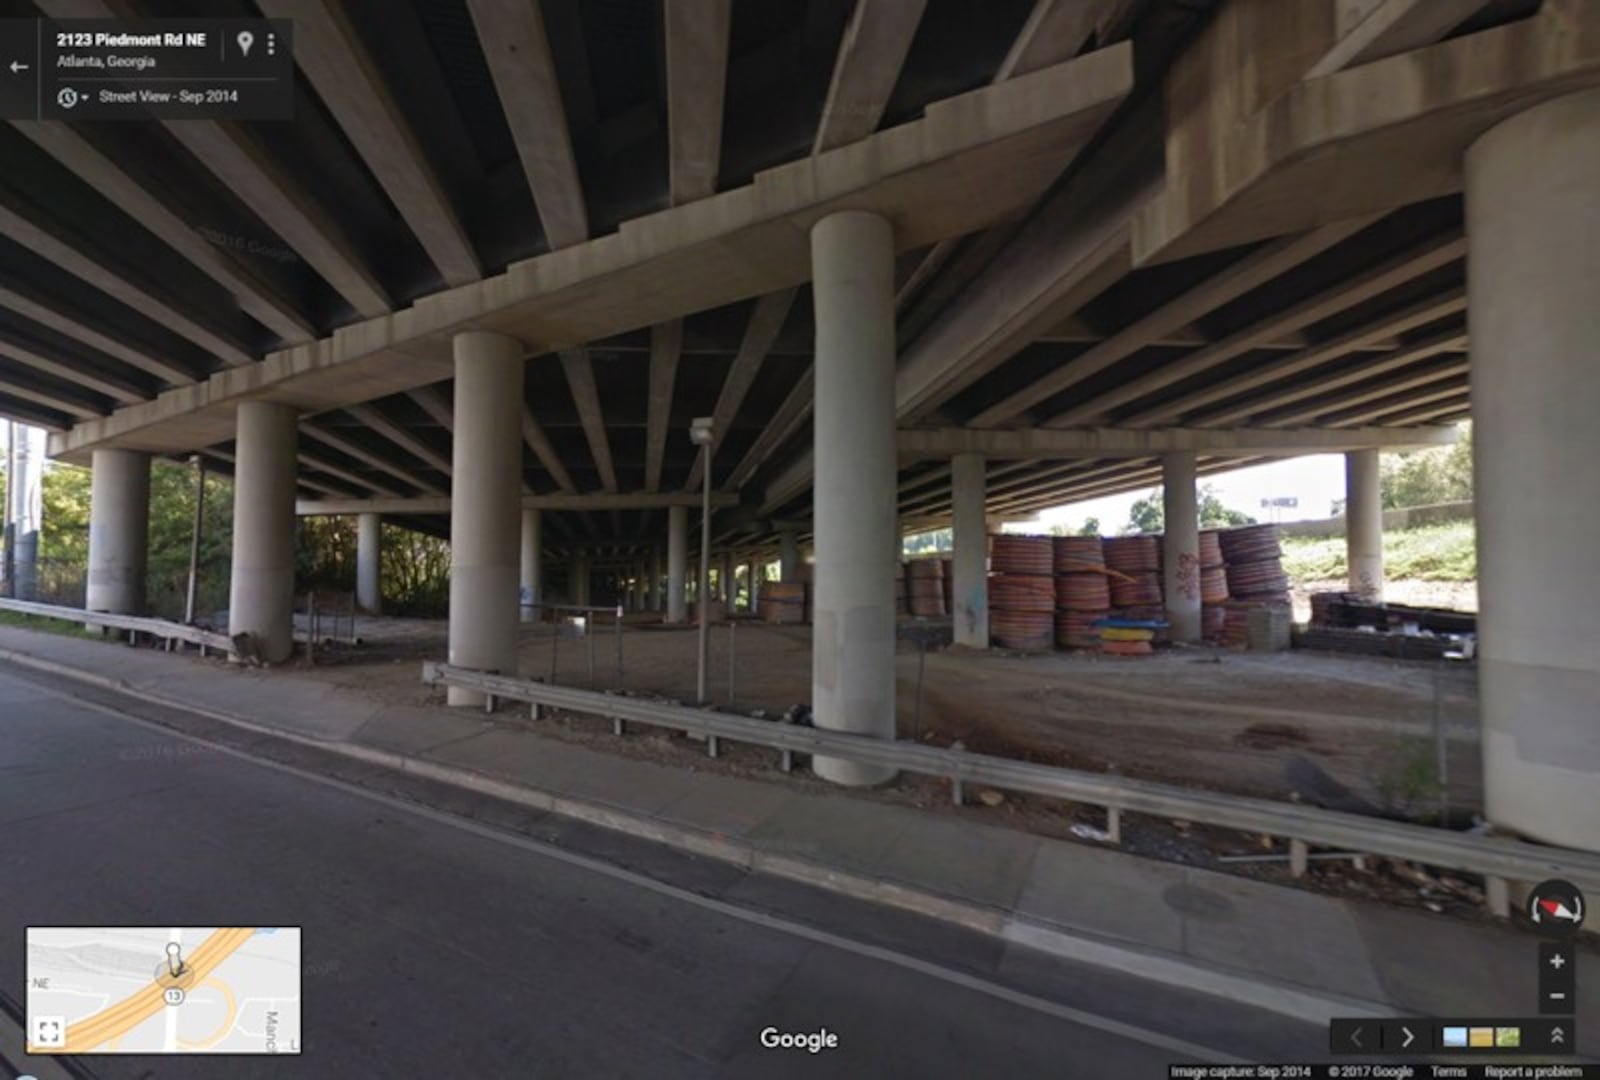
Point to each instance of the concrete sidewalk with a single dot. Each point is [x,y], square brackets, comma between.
[1292,951]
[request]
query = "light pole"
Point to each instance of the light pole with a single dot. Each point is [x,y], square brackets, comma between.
[700,435]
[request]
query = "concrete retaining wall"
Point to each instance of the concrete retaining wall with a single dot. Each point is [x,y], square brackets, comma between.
[1408,517]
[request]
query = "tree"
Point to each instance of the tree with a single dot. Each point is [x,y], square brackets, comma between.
[1148,515]
[1423,477]
[1091,527]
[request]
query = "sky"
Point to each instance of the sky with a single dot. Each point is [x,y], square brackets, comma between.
[1316,481]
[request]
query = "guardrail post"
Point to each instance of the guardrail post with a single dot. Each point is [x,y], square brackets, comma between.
[619,726]
[618,625]
[1497,896]
[786,760]
[955,776]
[1114,824]
[711,746]
[1299,857]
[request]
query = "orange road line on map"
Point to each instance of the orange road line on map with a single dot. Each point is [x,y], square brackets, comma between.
[133,1010]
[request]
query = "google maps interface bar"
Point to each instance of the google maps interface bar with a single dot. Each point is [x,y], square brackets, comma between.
[144,69]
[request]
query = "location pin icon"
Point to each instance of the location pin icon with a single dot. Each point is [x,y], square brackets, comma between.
[246,39]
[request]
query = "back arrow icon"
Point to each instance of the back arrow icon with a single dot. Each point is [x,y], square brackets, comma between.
[1410,1038]
[17,65]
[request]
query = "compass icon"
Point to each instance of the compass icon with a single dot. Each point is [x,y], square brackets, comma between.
[1556,908]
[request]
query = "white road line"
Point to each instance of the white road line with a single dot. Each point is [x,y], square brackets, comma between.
[1191,1051]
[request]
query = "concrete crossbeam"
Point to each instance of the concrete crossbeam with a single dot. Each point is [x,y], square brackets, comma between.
[1209,294]
[331,54]
[73,324]
[697,71]
[257,299]
[440,504]
[765,323]
[1326,148]
[740,243]
[868,65]
[1407,266]
[995,443]
[666,346]
[579,370]
[512,34]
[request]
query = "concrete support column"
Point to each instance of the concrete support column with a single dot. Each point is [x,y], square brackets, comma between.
[652,600]
[1363,524]
[852,672]
[24,509]
[369,563]
[531,592]
[485,515]
[788,556]
[1181,543]
[1533,294]
[969,563]
[677,562]
[752,577]
[119,529]
[261,595]
[725,580]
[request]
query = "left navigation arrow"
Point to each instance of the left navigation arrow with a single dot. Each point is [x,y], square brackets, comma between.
[18,65]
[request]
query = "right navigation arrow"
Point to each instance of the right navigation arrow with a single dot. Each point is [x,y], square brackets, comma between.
[1410,1037]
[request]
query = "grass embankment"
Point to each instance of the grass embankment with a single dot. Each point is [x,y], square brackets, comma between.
[48,625]
[1431,553]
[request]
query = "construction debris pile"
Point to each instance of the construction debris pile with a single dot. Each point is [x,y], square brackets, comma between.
[1345,622]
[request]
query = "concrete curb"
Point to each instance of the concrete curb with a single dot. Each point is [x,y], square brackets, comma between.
[1258,991]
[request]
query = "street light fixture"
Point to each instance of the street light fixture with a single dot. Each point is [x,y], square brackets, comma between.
[700,433]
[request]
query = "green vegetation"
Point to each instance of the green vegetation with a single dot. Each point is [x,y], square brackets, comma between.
[1430,553]
[1148,515]
[416,567]
[49,626]
[1424,477]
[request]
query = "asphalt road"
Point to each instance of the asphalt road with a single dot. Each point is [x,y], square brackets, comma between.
[448,934]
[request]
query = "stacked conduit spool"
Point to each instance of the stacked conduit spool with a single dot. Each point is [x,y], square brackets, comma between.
[901,606]
[1083,592]
[783,602]
[947,577]
[925,587]
[1136,591]
[1022,593]
[1213,586]
[1253,555]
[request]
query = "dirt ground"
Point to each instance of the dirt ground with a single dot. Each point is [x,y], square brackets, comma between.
[1347,732]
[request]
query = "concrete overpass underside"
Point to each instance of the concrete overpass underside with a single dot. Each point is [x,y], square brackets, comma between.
[1054,248]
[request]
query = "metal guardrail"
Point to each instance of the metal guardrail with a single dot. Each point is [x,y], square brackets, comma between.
[133,624]
[1500,860]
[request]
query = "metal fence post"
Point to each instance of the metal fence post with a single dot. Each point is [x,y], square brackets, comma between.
[619,645]
[555,646]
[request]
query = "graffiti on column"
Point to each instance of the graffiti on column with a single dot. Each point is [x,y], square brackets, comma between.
[1189,576]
